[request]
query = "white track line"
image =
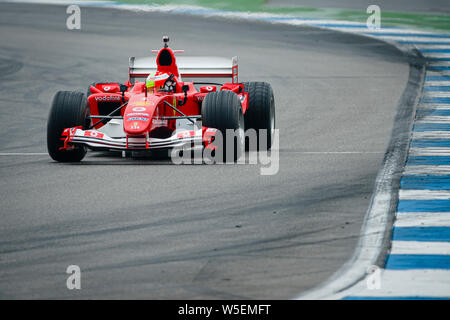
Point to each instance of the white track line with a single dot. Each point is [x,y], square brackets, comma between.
[431,135]
[437,83]
[422,219]
[23,153]
[427,170]
[436,54]
[437,106]
[413,39]
[434,119]
[441,63]
[423,194]
[436,94]
[420,247]
[333,152]
[429,152]
[438,72]
[409,283]
[424,46]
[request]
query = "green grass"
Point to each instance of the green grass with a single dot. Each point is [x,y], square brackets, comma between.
[439,22]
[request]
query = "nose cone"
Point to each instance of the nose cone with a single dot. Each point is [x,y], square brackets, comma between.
[137,117]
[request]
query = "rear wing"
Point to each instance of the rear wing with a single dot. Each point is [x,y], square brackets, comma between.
[189,67]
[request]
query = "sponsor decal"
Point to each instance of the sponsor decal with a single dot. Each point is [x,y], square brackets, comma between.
[138,114]
[108,98]
[93,134]
[186,134]
[106,88]
[137,118]
[200,98]
[139,109]
[135,126]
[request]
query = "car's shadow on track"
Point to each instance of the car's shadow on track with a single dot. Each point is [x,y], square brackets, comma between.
[114,159]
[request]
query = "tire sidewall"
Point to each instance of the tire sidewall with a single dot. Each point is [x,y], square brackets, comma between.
[69,109]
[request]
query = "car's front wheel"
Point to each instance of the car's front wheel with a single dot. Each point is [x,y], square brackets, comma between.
[222,110]
[69,109]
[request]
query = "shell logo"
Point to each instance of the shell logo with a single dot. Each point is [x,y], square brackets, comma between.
[93,134]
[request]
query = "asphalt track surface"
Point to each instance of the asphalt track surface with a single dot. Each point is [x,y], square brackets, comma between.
[150,229]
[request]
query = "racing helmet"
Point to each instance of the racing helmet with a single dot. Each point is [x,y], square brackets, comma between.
[156,80]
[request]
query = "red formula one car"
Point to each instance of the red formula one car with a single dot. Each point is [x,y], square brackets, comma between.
[162,112]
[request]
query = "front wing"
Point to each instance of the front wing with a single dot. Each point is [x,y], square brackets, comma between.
[99,140]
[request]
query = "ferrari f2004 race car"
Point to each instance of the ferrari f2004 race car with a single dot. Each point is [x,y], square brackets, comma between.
[163,111]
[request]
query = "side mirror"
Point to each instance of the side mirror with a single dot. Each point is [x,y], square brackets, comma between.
[123,88]
[185,88]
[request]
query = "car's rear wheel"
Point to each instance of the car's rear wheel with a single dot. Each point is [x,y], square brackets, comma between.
[261,111]
[69,109]
[222,110]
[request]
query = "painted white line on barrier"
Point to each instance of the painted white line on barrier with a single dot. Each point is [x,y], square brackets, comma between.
[429,152]
[438,72]
[363,29]
[434,119]
[437,106]
[428,46]
[413,39]
[431,135]
[423,195]
[436,55]
[420,247]
[437,83]
[436,94]
[425,170]
[439,62]
[409,283]
[422,219]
